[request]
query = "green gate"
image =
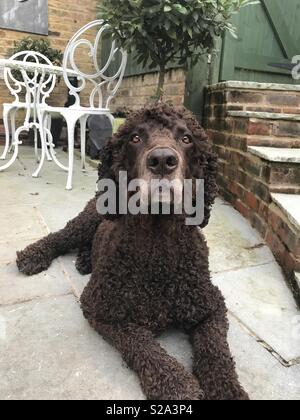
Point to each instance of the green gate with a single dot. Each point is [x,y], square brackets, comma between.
[268,38]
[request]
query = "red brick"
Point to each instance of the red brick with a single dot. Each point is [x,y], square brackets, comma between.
[237,142]
[285,174]
[263,210]
[289,238]
[291,110]
[244,97]
[259,224]
[251,201]
[287,129]
[283,100]
[274,220]
[241,208]
[262,109]
[261,128]
[240,125]
[235,108]
[218,97]
[261,191]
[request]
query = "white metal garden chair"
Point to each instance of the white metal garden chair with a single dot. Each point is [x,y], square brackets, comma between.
[30,87]
[103,85]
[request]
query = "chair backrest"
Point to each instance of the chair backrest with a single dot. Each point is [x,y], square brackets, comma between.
[104,85]
[34,82]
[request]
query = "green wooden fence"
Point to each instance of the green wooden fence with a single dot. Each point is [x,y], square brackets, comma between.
[268,35]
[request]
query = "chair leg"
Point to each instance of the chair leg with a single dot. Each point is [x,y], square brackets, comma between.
[83,122]
[49,140]
[36,149]
[16,143]
[51,145]
[71,123]
[6,112]
[13,127]
[43,135]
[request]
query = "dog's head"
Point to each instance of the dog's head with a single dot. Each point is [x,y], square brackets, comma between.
[165,144]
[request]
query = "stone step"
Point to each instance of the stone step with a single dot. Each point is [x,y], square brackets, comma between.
[285,189]
[290,205]
[272,141]
[281,167]
[265,115]
[274,154]
[265,123]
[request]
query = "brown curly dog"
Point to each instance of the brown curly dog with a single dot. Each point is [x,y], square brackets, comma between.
[150,272]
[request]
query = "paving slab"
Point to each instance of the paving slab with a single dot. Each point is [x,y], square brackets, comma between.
[77,281]
[290,204]
[259,372]
[233,242]
[16,288]
[26,190]
[259,297]
[8,249]
[50,352]
[56,217]
[276,154]
[18,186]
[19,222]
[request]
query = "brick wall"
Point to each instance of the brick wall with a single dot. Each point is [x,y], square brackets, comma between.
[245,180]
[137,90]
[65,18]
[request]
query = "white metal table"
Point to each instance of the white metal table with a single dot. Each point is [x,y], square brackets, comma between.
[37,91]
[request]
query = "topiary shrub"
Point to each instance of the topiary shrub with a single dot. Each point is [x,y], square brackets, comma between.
[159,32]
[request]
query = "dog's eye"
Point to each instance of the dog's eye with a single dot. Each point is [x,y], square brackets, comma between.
[136,139]
[186,140]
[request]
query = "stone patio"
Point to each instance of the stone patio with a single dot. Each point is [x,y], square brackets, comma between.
[48,351]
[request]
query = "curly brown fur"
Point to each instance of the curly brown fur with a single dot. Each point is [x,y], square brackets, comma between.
[150,273]
[84,260]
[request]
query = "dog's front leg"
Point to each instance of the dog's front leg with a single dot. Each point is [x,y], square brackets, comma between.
[162,377]
[213,363]
[78,233]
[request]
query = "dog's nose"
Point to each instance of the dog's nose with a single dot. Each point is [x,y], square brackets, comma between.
[162,161]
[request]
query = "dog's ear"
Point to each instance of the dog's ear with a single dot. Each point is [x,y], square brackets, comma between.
[210,183]
[108,171]
[204,165]
[105,170]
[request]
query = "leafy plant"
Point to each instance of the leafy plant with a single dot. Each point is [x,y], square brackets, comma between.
[159,32]
[38,45]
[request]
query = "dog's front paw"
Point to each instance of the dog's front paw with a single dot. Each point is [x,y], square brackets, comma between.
[33,260]
[185,388]
[177,384]
[84,262]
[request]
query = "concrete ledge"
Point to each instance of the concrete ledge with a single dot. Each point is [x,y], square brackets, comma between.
[275,154]
[254,86]
[264,115]
[290,205]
